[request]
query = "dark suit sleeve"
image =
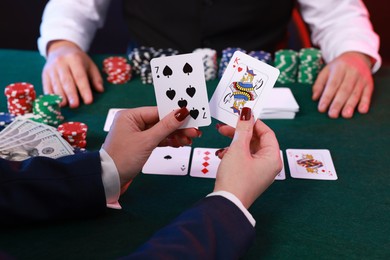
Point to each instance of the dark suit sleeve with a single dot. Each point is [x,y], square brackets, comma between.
[215,228]
[40,188]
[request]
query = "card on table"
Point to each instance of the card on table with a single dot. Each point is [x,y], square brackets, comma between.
[168,161]
[282,174]
[204,163]
[110,118]
[246,82]
[179,81]
[311,164]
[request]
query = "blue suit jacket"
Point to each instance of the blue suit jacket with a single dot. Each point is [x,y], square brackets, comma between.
[42,189]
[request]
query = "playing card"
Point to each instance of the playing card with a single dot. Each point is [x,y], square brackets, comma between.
[179,82]
[204,163]
[110,118]
[282,174]
[168,161]
[311,164]
[246,82]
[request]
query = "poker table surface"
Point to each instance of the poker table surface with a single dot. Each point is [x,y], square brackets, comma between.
[296,218]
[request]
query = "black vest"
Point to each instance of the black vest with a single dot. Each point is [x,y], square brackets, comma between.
[189,24]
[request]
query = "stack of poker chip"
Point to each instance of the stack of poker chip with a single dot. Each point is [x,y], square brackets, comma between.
[75,133]
[117,69]
[310,65]
[225,58]
[47,109]
[287,62]
[20,98]
[141,57]
[210,65]
[5,119]
[262,56]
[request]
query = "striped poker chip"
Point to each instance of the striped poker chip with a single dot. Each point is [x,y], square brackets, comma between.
[117,69]
[20,98]
[72,128]
[209,58]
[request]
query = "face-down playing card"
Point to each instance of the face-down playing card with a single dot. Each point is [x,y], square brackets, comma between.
[179,82]
[246,82]
[311,164]
[168,161]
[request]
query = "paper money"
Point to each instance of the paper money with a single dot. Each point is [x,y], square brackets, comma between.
[25,139]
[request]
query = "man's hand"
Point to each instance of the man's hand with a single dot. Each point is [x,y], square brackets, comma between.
[345,84]
[69,71]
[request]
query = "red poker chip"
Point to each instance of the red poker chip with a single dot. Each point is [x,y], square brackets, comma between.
[19,88]
[75,138]
[79,144]
[72,128]
[114,59]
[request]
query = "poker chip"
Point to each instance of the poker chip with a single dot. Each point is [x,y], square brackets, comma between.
[47,110]
[310,65]
[140,59]
[287,62]
[117,69]
[5,119]
[209,57]
[225,58]
[75,133]
[20,98]
[262,56]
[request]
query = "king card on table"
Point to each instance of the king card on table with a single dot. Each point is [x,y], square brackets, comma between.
[179,82]
[245,83]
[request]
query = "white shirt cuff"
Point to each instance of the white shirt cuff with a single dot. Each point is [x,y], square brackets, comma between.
[237,202]
[110,178]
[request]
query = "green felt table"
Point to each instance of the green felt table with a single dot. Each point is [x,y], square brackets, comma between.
[296,219]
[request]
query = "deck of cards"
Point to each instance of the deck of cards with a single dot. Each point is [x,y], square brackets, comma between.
[280,104]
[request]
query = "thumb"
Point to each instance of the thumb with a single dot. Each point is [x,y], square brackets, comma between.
[168,124]
[244,129]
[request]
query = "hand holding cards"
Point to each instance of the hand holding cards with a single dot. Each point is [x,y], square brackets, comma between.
[179,82]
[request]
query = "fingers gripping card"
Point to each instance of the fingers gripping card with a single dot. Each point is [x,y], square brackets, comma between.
[179,82]
[246,82]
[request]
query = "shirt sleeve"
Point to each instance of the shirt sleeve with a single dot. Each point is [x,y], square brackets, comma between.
[75,21]
[341,26]
[110,178]
[237,202]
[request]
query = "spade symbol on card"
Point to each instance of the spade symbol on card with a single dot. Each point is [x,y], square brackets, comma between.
[167,71]
[194,113]
[182,103]
[187,68]
[171,93]
[190,91]
[167,157]
[183,167]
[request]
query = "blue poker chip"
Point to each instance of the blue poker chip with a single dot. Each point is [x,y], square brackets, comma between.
[78,150]
[5,119]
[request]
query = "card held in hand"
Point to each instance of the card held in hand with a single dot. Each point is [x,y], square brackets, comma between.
[179,82]
[246,82]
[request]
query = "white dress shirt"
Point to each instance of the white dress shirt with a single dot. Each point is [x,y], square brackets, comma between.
[336,26]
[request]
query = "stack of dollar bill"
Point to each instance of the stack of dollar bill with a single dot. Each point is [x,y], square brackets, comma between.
[24,138]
